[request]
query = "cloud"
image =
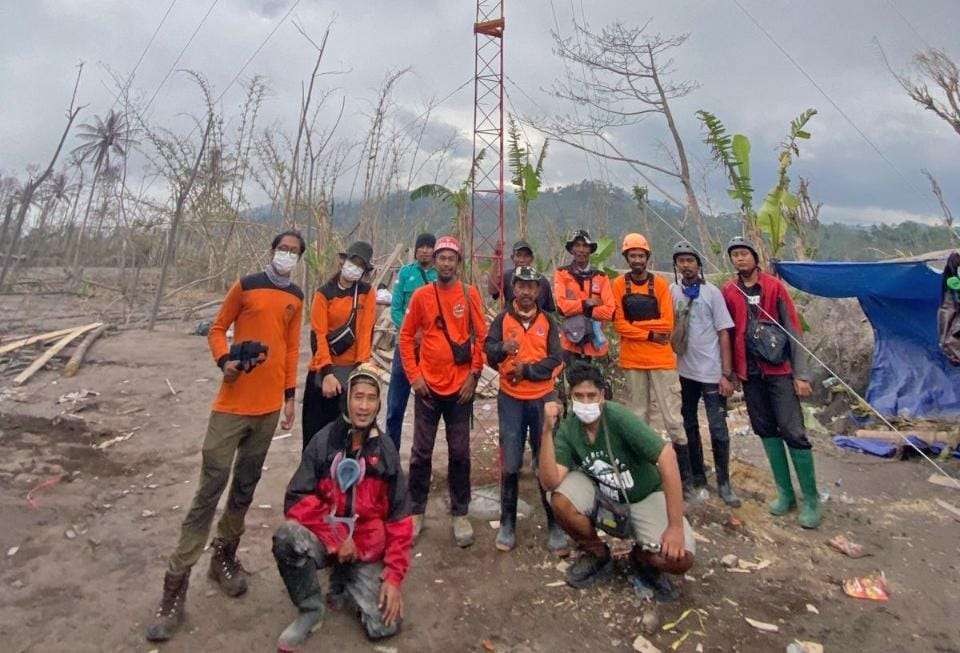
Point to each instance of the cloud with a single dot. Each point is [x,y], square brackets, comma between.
[874,215]
[743,78]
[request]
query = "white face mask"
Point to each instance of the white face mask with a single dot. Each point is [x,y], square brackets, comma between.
[351,272]
[586,413]
[284,262]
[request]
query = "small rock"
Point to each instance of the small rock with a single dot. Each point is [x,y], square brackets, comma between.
[650,621]
[18,584]
[12,551]
[812,608]
[152,486]
[147,513]
[70,534]
[642,645]
[729,561]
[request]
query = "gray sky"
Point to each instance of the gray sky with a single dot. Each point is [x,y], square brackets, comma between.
[743,77]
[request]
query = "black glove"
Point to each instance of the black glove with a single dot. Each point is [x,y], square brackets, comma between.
[248,353]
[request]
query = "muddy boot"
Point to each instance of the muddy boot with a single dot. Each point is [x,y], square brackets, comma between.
[418,526]
[786,500]
[810,515]
[721,459]
[225,569]
[462,531]
[507,536]
[557,541]
[590,568]
[683,462]
[294,635]
[171,612]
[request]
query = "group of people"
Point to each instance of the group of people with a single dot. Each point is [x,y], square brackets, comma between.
[600,464]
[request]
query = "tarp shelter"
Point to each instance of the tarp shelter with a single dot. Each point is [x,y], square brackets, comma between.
[910,376]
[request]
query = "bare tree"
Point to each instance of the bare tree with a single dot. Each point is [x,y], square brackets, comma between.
[26,199]
[935,66]
[947,213]
[171,248]
[626,78]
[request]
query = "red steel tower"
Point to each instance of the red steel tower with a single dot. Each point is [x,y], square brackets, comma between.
[486,229]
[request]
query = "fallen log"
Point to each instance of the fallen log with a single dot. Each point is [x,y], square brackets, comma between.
[73,365]
[42,360]
[43,337]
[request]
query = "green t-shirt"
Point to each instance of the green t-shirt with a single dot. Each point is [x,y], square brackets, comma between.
[636,448]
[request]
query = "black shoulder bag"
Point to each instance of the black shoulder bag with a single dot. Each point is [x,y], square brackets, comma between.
[613,517]
[342,338]
[766,340]
[462,352]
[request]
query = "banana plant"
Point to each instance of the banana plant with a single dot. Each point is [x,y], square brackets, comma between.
[526,177]
[459,199]
[778,211]
[605,247]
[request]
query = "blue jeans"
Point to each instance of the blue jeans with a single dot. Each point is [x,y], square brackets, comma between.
[716,407]
[397,397]
[518,419]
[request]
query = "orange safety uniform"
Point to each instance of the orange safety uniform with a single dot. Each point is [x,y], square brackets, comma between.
[540,353]
[331,310]
[433,361]
[570,290]
[261,311]
[637,351]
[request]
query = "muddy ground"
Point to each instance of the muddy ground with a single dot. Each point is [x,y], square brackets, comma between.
[81,559]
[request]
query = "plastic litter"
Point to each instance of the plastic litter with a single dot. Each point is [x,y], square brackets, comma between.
[872,588]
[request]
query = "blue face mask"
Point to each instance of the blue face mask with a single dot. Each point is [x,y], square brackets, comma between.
[692,291]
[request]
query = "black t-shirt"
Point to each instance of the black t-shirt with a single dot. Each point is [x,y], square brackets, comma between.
[753,368]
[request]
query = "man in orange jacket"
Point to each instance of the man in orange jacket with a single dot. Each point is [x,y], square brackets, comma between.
[583,297]
[447,316]
[341,337]
[259,379]
[644,320]
[524,344]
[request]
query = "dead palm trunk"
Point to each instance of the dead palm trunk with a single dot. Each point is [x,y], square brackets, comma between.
[171,248]
[83,224]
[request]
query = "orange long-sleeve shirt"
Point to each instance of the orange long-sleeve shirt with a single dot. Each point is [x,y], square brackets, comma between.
[435,361]
[261,311]
[331,310]
[570,292]
[636,351]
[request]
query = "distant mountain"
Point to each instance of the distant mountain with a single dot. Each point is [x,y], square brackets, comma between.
[608,210]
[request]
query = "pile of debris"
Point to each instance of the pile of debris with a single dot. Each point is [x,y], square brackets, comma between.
[26,355]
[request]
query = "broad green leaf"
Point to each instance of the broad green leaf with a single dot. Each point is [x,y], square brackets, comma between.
[605,248]
[802,134]
[741,150]
[531,182]
[436,191]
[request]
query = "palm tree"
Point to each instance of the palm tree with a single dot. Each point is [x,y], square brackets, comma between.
[112,136]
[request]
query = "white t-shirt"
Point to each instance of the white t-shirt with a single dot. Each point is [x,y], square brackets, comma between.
[708,314]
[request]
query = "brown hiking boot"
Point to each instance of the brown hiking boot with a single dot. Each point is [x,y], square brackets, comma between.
[225,569]
[171,611]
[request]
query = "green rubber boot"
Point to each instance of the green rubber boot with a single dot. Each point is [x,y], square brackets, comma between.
[810,514]
[786,500]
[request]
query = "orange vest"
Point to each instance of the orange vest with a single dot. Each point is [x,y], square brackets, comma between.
[569,293]
[533,348]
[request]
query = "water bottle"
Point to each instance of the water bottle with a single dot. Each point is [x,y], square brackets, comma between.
[599,339]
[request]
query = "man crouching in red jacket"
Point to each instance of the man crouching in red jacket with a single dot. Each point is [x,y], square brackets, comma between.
[346,508]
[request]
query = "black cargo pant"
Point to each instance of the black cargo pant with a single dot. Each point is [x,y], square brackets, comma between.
[456,421]
[774,409]
[299,555]
[716,408]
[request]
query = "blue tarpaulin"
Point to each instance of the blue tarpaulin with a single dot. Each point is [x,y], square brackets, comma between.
[910,376]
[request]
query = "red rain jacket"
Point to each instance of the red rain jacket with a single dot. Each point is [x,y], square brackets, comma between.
[384,529]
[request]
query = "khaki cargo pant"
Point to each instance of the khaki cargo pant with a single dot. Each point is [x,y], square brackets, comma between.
[646,387]
[238,440]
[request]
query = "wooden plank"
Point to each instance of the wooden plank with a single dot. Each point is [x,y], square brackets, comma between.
[383,312]
[73,365]
[949,507]
[43,337]
[898,436]
[51,352]
[944,481]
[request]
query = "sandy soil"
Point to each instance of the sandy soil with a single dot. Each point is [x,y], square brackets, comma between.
[81,560]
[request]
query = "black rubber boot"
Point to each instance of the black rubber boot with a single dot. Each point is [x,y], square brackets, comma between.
[683,461]
[557,541]
[721,459]
[171,612]
[698,474]
[225,569]
[509,489]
